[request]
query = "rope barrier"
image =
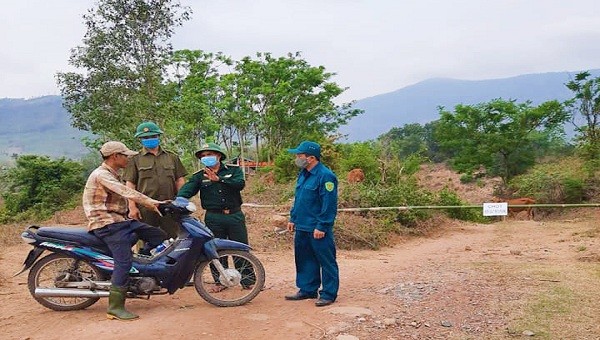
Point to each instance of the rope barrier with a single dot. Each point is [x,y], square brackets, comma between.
[402,208]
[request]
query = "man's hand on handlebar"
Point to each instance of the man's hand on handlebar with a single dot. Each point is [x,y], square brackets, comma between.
[155,206]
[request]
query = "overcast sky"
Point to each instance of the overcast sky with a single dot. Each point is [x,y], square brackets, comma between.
[374,46]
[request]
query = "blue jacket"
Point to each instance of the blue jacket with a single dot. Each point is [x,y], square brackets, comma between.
[315,203]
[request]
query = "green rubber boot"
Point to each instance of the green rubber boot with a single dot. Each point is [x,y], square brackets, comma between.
[116,305]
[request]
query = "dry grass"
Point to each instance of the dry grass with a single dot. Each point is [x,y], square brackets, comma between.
[562,305]
[353,230]
[560,297]
[435,177]
[9,235]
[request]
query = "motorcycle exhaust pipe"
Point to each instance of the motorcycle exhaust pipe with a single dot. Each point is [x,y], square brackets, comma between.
[69,292]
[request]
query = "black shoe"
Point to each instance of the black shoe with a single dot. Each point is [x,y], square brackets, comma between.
[323,302]
[300,296]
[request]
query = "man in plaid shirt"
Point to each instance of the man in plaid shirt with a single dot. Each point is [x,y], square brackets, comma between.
[105,204]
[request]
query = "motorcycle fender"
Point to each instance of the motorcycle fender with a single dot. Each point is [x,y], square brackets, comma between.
[229,244]
[210,250]
[33,255]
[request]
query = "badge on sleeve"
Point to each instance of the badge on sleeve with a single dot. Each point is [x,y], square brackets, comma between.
[329,186]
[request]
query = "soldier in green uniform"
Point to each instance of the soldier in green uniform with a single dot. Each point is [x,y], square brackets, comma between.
[156,173]
[219,185]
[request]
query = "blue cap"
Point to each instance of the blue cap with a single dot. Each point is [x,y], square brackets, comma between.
[309,148]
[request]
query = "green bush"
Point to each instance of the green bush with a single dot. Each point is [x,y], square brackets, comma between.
[38,186]
[466,178]
[285,170]
[362,156]
[448,197]
[573,190]
[405,193]
[557,182]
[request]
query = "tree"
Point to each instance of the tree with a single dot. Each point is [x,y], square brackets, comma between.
[195,107]
[499,135]
[239,119]
[289,100]
[404,141]
[123,61]
[276,102]
[586,102]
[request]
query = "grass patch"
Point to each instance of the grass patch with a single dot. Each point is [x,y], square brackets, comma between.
[563,307]
[543,310]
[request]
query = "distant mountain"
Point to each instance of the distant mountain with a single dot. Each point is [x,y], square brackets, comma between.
[38,126]
[42,126]
[419,103]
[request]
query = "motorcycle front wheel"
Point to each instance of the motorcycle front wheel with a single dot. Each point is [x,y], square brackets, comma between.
[54,269]
[247,276]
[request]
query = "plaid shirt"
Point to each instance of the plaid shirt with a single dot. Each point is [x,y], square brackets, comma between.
[105,198]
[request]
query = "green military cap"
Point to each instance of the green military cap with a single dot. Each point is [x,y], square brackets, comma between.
[147,129]
[211,147]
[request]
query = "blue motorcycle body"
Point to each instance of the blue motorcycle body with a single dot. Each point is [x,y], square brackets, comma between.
[165,272]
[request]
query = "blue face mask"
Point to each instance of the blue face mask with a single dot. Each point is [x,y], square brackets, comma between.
[150,143]
[209,161]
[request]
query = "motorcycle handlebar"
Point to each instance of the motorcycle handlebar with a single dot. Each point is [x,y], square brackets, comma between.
[179,206]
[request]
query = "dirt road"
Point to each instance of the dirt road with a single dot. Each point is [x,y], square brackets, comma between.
[467,282]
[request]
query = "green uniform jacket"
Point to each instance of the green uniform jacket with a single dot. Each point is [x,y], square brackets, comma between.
[224,194]
[155,176]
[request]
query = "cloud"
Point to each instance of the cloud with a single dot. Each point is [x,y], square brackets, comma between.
[373,46]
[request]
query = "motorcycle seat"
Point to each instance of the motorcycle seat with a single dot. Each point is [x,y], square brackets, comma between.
[78,235]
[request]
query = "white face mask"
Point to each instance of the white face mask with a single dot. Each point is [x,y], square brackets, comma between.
[302,163]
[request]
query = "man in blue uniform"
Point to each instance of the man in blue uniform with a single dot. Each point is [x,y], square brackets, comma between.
[312,218]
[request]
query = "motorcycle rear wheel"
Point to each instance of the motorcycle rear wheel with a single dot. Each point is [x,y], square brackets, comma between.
[251,272]
[54,268]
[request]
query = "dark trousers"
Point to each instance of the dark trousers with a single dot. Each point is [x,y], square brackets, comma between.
[118,237]
[231,227]
[316,265]
[166,223]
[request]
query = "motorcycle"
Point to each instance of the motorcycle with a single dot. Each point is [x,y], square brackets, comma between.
[76,273]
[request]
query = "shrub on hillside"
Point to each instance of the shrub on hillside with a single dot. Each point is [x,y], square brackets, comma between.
[557,182]
[450,198]
[362,156]
[404,193]
[38,186]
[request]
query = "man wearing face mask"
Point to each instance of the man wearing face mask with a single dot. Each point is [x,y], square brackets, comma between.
[312,218]
[156,173]
[220,187]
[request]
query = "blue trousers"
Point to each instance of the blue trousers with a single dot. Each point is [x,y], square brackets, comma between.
[119,236]
[316,265]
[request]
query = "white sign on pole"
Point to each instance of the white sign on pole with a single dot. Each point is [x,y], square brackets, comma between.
[495,209]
